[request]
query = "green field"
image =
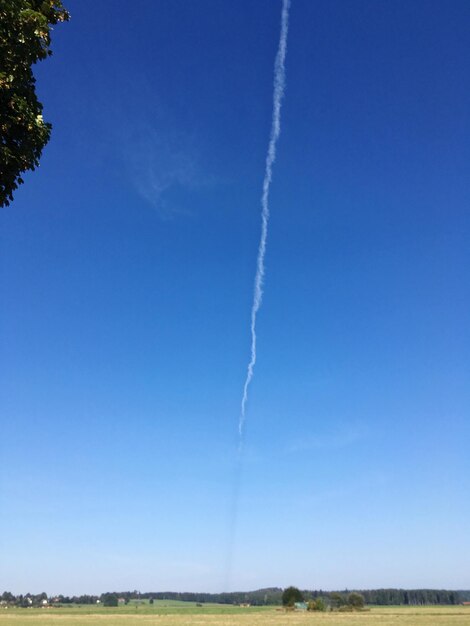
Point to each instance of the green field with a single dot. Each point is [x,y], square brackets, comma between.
[166,613]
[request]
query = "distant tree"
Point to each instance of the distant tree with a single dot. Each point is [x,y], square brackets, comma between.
[7,596]
[25,27]
[151,601]
[39,598]
[110,599]
[337,599]
[291,595]
[356,600]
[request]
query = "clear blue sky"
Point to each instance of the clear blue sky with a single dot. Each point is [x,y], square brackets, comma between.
[127,266]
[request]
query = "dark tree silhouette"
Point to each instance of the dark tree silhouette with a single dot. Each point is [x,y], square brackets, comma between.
[25,27]
[291,595]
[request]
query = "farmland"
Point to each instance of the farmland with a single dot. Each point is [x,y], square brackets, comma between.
[165,613]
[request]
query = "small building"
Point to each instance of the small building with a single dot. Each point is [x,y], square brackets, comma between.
[300,606]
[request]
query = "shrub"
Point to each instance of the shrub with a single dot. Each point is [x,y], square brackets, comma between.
[356,600]
[316,605]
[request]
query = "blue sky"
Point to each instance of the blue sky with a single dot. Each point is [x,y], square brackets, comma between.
[127,263]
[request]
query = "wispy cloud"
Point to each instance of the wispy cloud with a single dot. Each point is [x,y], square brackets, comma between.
[162,157]
[163,166]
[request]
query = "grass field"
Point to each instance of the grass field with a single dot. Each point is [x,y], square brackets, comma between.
[188,614]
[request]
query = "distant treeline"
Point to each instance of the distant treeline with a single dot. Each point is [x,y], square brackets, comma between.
[268,596]
[273,596]
[411,596]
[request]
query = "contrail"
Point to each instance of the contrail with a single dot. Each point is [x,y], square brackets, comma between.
[279,85]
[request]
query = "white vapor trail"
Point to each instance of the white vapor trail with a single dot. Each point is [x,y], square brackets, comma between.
[279,84]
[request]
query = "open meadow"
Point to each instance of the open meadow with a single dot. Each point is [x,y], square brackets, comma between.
[188,614]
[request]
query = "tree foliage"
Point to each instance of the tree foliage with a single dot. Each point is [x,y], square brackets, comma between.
[316,605]
[291,595]
[110,599]
[356,600]
[337,599]
[25,37]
